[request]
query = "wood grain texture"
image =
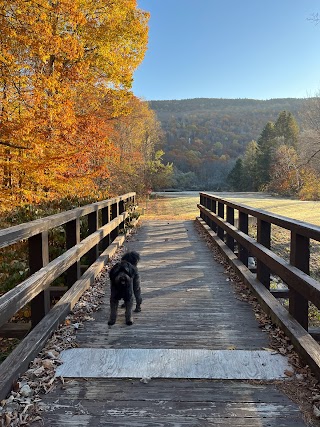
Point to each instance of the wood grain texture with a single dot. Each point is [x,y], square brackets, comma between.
[188,303]
[172,363]
[115,402]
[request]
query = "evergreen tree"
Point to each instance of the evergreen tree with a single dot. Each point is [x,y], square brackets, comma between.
[250,173]
[236,176]
[266,146]
[287,128]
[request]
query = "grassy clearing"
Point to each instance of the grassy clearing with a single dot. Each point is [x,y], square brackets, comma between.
[171,208]
[184,206]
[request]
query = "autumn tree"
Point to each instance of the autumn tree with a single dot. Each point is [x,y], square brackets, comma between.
[136,137]
[309,147]
[284,131]
[309,150]
[285,176]
[66,72]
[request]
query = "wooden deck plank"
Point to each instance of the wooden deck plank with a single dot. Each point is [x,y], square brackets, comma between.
[188,303]
[170,403]
[172,363]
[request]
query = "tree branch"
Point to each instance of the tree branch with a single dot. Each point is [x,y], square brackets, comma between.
[19,147]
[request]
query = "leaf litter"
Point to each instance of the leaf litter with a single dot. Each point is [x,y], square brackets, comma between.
[24,406]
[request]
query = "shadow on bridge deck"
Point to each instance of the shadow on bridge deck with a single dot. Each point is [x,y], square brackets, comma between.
[188,303]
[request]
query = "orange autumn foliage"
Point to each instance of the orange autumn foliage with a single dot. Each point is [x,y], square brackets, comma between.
[66,70]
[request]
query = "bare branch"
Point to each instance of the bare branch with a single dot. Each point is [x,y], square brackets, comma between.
[8,144]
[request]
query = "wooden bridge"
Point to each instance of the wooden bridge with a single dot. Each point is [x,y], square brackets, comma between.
[195,355]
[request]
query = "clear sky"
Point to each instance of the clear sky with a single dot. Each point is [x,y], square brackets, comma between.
[257,49]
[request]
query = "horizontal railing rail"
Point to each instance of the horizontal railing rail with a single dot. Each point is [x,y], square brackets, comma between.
[104,221]
[228,225]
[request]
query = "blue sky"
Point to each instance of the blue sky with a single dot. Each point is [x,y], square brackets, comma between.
[259,49]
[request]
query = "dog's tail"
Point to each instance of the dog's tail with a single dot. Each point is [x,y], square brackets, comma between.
[132,257]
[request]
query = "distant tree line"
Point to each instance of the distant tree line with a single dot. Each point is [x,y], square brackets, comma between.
[203,138]
[283,160]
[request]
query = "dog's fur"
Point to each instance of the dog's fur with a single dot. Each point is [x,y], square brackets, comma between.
[125,284]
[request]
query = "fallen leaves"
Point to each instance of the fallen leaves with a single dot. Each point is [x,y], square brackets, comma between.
[23,406]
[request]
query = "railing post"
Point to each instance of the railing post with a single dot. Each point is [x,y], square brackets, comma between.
[72,239]
[202,202]
[93,225]
[105,219]
[209,206]
[244,227]
[114,213]
[300,258]
[220,231]
[214,210]
[230,219]
[38,258]
[263,237]
[121,210]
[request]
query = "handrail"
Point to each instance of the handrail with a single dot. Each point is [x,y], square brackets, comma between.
[304,228]
[101,243]
[19,296]
[11,235]
[217,216]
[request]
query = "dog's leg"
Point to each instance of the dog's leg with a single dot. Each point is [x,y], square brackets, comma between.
[113,311]
[137,294]
[128,314]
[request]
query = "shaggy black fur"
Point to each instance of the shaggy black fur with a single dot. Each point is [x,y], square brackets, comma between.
[125,284]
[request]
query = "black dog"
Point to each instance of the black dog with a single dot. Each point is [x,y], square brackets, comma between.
[125,283]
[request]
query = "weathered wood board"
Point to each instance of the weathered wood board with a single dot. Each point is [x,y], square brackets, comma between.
[169,403]
[172,363]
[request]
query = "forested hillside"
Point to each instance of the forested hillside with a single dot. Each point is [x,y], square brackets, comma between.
[204,137]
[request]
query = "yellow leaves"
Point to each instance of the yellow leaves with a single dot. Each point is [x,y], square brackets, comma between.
[65,69]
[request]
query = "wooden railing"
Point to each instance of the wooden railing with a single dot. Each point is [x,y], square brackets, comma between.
[104,221]
[218,216]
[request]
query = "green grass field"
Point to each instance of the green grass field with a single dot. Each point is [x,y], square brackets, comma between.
[184,206]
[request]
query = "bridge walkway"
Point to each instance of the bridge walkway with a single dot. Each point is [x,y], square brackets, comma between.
[190,311]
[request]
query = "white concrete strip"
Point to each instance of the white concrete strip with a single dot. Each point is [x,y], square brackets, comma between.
[172,363]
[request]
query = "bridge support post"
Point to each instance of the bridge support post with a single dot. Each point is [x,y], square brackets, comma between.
[121,210]
[38,258]
[93,226]
[114,213]
[105,219]
[213,208]
[299,257]
[230,219]
[202,202]
[220,231]
[263,237]
[244,227]
[72,239]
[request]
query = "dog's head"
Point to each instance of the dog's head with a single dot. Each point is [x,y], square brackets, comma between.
[123,280]
[122,272]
